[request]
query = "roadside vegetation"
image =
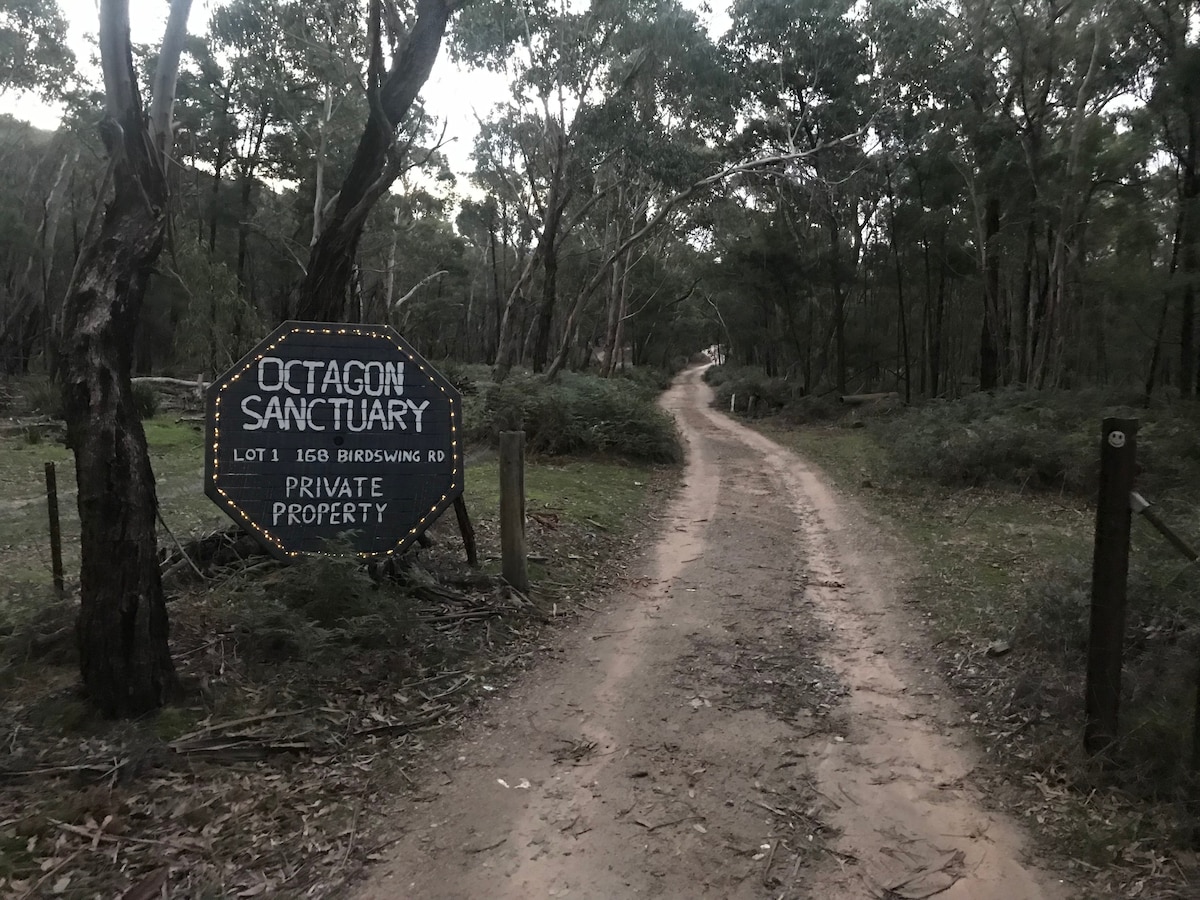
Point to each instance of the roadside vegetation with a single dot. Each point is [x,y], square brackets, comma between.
[311,691]
[995,494]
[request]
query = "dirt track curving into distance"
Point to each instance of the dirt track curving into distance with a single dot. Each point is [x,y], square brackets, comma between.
[745,721]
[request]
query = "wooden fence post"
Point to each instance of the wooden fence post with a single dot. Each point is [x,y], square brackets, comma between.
[56,562]
[512,509]
[1110,574]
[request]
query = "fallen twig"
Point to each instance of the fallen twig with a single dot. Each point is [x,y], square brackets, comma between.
[650,827]
[243,749]
[236,723]
[766,873]
[409,725]
[33,891]
[101,770]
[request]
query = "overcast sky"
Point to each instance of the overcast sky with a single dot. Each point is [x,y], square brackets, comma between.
[451,94]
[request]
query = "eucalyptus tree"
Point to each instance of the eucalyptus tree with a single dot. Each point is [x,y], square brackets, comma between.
[598,93]
[124,656]
[123,627]
[34,55]
[1166,30]
[249,79]
[1067,67]
[557,58]
[36,169]
[805,70]
[34,59]
[393,79]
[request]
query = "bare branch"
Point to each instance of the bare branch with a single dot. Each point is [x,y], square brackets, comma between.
[162,102]
[400,301]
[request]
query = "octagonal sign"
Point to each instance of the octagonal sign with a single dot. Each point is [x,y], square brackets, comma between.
[330,432]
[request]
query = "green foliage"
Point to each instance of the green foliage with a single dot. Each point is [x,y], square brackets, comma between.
[577,414]
[33,47]
[145,399]
[1034,439]
[649,380]
[44,397]
[217,325]
[758,395]
[1161,648]
[321,605]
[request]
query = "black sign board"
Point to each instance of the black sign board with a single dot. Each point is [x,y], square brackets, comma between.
[333,432]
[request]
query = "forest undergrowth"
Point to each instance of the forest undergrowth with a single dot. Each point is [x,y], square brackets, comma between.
[995,493]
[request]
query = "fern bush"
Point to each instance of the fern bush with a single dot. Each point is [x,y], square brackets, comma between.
[319,605]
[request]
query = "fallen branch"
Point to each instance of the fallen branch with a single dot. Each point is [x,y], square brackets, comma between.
[236,723]
[99,770]
[243,750]
[33,891]
[650,827]
[407,726]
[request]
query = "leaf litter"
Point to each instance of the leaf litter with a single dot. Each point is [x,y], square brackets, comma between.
[272,782]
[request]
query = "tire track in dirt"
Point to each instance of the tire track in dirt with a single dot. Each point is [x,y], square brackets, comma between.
[740,723]
[900,776]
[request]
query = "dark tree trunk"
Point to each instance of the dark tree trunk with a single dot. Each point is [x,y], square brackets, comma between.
[248,176]
[122,627]
[989,349]
[496,296]
[545,316]
[1189,263]
[548,247]
[839,303]
[901,311]
[936,338]
[324,292]
[218,165]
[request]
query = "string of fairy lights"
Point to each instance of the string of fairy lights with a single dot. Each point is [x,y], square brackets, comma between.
[385,334]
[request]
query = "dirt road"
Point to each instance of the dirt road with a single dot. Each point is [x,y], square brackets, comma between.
[746,721]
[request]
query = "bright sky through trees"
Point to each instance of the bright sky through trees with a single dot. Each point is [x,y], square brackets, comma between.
[454,95]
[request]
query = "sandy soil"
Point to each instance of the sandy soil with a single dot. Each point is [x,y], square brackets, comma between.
[749,719]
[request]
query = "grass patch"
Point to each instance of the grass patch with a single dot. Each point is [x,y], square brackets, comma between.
[979,549]
[177,455]
[590,493]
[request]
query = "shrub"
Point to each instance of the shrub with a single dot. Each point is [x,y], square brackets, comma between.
[719,374]
[577,414]
[145,400]
[1056,612]
[813,408]
[649,381]
[322,604]
[1035,439]
[1162,642]
[44,397]
[751,391]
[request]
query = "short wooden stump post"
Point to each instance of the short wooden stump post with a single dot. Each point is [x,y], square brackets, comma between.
[513,555]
